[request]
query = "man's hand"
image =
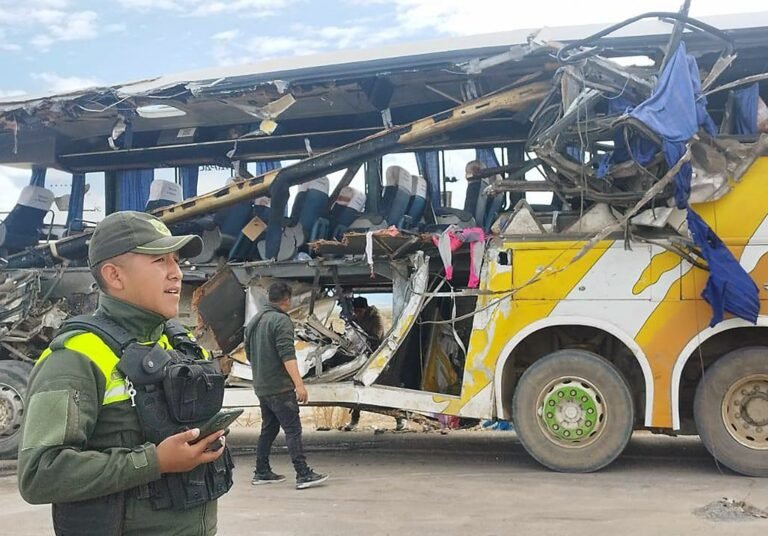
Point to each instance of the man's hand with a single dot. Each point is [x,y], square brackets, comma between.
[292,367]
[176,455]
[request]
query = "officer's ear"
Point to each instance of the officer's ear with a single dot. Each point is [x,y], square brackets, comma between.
[111,275]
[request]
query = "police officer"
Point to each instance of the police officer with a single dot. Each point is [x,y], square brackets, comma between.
[83,447]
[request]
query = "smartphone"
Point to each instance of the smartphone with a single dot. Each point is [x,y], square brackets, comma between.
[220,421]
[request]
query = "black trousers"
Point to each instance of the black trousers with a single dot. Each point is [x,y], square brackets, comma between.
[281,411]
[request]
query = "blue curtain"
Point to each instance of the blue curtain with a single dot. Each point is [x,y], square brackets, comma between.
[279,195]
[495,203]
[675,111]
[38,176]
[189,175]
[133,188]
[640,148]
[76,200]
[428,163]
[746,110]
[267,165]
[487,157]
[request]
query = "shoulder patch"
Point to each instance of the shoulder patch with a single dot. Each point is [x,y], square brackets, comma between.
[49,411]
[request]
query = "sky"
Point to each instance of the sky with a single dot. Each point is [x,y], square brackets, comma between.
[52,46]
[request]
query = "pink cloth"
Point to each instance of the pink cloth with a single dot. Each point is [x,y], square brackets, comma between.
[451,240]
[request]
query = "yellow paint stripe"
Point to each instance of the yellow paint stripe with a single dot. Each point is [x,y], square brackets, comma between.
[487,343]
[675,322]
[660,264]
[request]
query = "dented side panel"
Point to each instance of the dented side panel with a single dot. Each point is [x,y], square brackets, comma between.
[403,325]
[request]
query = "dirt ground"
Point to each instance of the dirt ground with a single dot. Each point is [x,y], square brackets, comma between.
[468,482]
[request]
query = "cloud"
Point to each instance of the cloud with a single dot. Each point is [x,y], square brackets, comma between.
[12,180]
[5,45]
[63,84]
[342,37]
[206,8]
[247,8]
[50,20]
[275,46]
[231,52]
[76,26]
[459,17]
[149,5]
[10,93]
[116,28]
[228,35]
[229,49]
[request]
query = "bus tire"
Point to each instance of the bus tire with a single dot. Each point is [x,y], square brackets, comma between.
[14,377]
[731,410]
[573,411]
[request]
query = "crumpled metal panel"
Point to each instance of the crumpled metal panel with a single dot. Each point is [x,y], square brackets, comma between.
[381,358]
[220,306]
[18,292]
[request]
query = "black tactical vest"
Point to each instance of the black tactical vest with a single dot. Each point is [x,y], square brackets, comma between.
[173,390]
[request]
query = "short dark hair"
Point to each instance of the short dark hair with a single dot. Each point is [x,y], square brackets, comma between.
[359,303]
[278,292]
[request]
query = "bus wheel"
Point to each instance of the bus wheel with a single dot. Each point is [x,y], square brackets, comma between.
[573,411]
[731,410]
[14,376]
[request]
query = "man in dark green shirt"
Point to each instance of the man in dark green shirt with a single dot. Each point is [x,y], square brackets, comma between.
[279,387]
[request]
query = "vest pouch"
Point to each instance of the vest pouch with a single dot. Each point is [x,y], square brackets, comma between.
[102,516]
[195,390]
[157,422]
[188,490]
[219,475]
[144,364]
[145,367]
[182,491]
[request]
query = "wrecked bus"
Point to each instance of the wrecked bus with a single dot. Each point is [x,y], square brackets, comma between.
[630,296]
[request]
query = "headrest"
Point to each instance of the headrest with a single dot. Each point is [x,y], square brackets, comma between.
[419,186]
[352,198]
[472,168]
[400,177]
[263,202]
[321,185]
[164,190]
[36,197]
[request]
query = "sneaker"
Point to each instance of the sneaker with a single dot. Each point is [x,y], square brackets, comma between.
[266,477]
[350,427]
[402,424]
[309,479]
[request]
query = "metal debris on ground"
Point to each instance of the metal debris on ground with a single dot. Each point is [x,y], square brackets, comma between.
[726,509]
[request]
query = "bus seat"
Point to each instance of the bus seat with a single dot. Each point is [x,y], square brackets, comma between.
[23,225]
[163,193]
[261,208]
[398,191]
[476,201]
[349,206]
[418,201]
[311,204]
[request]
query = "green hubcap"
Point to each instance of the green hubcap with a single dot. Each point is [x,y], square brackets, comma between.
[571,412]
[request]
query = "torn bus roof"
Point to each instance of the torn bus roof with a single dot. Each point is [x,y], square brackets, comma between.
[339,98]
[462,50]
[574,118]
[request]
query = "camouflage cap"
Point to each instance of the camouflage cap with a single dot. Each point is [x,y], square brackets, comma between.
[137,232]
